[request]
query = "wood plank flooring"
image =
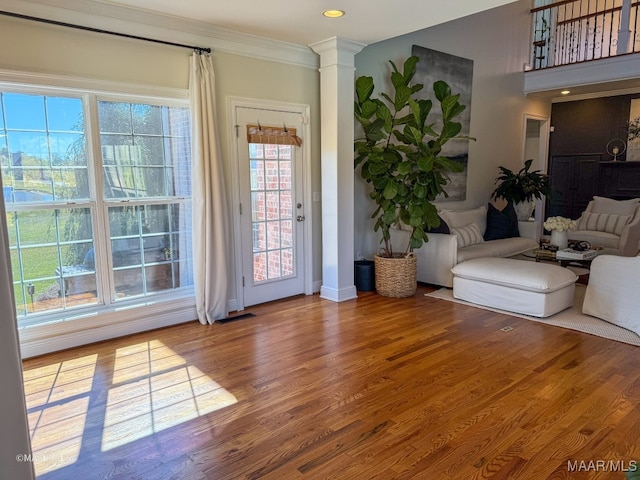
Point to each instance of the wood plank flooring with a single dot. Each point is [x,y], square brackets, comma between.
[374,388]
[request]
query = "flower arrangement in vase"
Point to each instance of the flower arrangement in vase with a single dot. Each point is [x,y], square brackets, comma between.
[559,226]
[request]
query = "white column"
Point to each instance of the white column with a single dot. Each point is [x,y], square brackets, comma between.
[624,34]
[337,66]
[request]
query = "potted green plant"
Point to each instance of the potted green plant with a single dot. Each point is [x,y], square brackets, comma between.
[522,188]
[400,156]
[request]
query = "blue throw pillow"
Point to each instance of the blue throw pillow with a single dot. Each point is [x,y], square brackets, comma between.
[442,228]
[501,223]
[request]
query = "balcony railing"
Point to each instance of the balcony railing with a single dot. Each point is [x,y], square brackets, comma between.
[574,31]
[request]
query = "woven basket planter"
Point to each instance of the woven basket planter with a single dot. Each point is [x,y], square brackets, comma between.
[396,277]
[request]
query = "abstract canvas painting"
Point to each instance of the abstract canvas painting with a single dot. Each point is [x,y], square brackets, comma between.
[458,73]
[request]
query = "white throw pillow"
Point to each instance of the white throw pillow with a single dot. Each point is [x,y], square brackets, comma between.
[603,222]
[462,218]
[615,207]
[467,235]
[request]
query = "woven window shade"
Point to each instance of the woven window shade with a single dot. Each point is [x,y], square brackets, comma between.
[273,135]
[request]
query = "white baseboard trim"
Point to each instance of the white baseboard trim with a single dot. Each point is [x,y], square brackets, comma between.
[317,285]
[338,295]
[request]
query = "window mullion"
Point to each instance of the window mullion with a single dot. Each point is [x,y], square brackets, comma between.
[103,264]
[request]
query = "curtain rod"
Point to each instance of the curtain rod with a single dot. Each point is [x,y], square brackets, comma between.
[99,30]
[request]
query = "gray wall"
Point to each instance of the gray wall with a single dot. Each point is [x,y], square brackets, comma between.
[498,43]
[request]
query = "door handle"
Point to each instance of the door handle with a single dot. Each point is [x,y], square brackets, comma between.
[300,218]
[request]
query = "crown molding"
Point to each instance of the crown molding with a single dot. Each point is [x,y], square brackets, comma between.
[163,27]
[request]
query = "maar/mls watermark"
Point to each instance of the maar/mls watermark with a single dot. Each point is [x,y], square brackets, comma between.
[44,458]
[601,466]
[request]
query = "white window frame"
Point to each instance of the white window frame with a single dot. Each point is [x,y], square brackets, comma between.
[66,329]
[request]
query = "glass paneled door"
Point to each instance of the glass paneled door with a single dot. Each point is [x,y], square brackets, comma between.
[272,210]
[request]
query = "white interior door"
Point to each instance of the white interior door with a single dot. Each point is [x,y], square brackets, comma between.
[271,207]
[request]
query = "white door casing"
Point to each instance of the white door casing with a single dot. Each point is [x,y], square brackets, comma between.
[535,144]
[272,207]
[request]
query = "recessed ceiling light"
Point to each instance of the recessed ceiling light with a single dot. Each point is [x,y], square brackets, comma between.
[333,13]
[565,92]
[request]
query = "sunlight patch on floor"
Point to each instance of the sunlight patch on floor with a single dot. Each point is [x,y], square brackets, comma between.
[57,405]
[152,395]
[152,389]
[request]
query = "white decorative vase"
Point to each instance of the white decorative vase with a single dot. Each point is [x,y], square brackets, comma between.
[560,238]
[524,209]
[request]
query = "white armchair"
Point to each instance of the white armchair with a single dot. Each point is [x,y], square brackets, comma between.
[612,291]
[611,224]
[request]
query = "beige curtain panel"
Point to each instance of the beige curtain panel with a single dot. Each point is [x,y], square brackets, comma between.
[210,215]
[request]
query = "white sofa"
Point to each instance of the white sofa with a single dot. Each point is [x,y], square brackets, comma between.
[442,252]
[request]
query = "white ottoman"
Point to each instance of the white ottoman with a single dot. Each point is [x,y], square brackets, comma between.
[521,286]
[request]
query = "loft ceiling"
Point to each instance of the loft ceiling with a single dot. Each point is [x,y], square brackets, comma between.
[302,22]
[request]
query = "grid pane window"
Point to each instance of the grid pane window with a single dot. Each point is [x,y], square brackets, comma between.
[146,156]
[271,211]
[42,149]
[144,148]
[150,248]
[53,207]
[49,259]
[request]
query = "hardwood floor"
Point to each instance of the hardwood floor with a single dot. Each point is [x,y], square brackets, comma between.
[374,388]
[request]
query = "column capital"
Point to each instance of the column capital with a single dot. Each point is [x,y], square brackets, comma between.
[337,51]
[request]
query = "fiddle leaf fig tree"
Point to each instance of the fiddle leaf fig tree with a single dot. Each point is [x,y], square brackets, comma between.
[400,153]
